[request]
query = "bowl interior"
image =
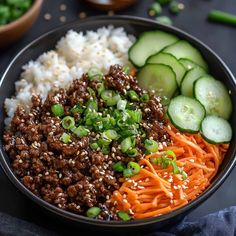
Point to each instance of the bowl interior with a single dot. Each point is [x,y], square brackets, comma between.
[133,26]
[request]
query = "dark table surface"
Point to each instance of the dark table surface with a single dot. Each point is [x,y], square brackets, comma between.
[220,38]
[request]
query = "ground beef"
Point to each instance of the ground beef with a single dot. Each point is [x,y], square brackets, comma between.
[73,176]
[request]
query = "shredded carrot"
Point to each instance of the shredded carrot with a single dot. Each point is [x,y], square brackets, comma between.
[156,191]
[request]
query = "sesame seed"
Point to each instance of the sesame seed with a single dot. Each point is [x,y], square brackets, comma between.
[62,19]
[191,160]
[82,15]
[20,161]
[110,13]
[47,16]
[63,7]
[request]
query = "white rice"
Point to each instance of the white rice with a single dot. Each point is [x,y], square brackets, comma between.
[74,55]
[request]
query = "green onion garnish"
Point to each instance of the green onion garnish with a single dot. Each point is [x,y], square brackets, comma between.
[127,173]
[110,97]
[68,122]
[124,216]
[133,95]
[91,105]
[155,9]
[94,146]
[132,152]
[57,110]
[222,17]
[121,104]
[65,138]
[80,131]
[136,116]
[165,20]
[144,98]
[119,166]
[135,167]
[151,145]
[176,7]
[95,74]
[77,109]
[91,92]
[93,212]
[105,149]
[126,144]
[110,134]
[126,69]
[100,88]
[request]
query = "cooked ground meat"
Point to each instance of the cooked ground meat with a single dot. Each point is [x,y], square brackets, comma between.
[72,175]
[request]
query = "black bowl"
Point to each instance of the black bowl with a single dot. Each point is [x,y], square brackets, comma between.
[132,25]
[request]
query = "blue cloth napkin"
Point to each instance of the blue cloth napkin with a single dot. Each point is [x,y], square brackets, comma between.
[222,223]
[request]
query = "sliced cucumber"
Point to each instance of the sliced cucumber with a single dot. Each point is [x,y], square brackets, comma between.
[214,96]
[148,44]
[170,60]
[186,113]
[183,49]
[188,64]
[191,76]
[158,78]
[216,130]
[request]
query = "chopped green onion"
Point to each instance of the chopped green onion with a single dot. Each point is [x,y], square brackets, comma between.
[105,149]
[126,144]
[94,146]
[93,212]
[144,98]
[176,7]
[175,167]
[77,109]
[91,92]
[68,122]
[121,104]
[133,95]
[118,166]
[110,134]
[151,145]
[127,173]
[135,167]
[65,138]
[170,153]
[128,132]
[165,20]
[155,9]
[132,152]
[95,74]
[110,97]
[57,110]
[136,116]
[100,88]
[222,17]
[124,216]
[184,175]
[80,131]
[104,142]
[126,69]
[91,105]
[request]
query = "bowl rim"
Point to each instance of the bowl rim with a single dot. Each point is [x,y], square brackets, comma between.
[118,224]
[17,22]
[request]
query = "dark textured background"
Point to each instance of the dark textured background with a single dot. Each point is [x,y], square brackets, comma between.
[220,38]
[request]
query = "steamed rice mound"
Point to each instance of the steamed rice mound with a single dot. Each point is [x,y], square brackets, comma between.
[74,55]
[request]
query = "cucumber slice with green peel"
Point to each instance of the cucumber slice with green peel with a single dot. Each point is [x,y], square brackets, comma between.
[188,64]
[214,96]
[148,44]
[169,60]
[216,130]
[191,76]
[160,79]
[183,49]
[186,114]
